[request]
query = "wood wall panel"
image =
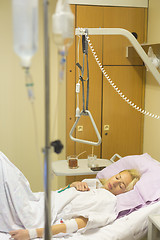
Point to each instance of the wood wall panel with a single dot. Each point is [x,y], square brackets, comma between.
[131,19]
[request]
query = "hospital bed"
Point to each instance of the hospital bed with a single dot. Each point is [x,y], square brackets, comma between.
[131,227]
[128,226]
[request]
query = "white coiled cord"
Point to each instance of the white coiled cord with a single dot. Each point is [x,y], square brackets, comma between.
[126,99]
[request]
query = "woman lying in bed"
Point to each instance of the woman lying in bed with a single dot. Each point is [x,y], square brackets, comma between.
[117,184]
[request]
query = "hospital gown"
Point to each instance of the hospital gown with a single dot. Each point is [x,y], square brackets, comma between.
[98,205]
[21,208]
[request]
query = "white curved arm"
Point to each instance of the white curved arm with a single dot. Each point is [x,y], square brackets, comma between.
[130,37]
[95,128]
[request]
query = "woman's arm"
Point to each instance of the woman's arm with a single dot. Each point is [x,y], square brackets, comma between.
[23,234]
[80,186]
[61,228]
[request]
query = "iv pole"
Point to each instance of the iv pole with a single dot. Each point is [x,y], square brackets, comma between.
[57,145]
[47,228]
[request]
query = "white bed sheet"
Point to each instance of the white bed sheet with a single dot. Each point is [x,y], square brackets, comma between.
[131,227]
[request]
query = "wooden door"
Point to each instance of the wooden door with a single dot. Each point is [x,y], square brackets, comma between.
[86,16]
[125,133]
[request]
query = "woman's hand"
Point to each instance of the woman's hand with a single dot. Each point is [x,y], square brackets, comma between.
[21,234]
[80,186]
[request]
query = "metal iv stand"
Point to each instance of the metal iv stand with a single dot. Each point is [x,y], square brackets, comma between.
[47,210]
[57,145]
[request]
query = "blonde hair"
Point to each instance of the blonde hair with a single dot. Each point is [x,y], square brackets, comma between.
[103,180]
[135,175]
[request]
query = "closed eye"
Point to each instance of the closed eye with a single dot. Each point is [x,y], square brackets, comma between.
[122,186]
[118,177]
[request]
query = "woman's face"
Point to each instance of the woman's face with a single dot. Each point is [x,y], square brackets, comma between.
[118,183]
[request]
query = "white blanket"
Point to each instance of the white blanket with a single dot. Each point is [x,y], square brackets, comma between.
[21,208]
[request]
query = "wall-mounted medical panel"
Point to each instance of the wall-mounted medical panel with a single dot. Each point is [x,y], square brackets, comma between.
[125,134]
[131,19]
[124,3]
[155,48]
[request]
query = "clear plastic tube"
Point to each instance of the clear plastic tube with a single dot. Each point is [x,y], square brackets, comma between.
[29,85]
[62,63]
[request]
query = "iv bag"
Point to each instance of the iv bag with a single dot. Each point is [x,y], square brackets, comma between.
[63,25]
[25,29]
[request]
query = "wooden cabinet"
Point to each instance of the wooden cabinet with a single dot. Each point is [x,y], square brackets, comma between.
[125,134]
[114,47]
[125,125]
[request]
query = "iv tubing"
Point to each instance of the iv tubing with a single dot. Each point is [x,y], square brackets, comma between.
[47,227]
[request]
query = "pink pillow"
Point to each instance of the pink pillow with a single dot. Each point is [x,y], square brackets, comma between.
[147,189]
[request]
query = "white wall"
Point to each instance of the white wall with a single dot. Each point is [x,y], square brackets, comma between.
[17,129]
[152,98]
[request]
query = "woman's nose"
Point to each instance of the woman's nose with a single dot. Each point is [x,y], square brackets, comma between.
[116,183]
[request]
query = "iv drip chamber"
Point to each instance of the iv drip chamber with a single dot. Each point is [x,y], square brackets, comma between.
[25,29]
[63,24]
